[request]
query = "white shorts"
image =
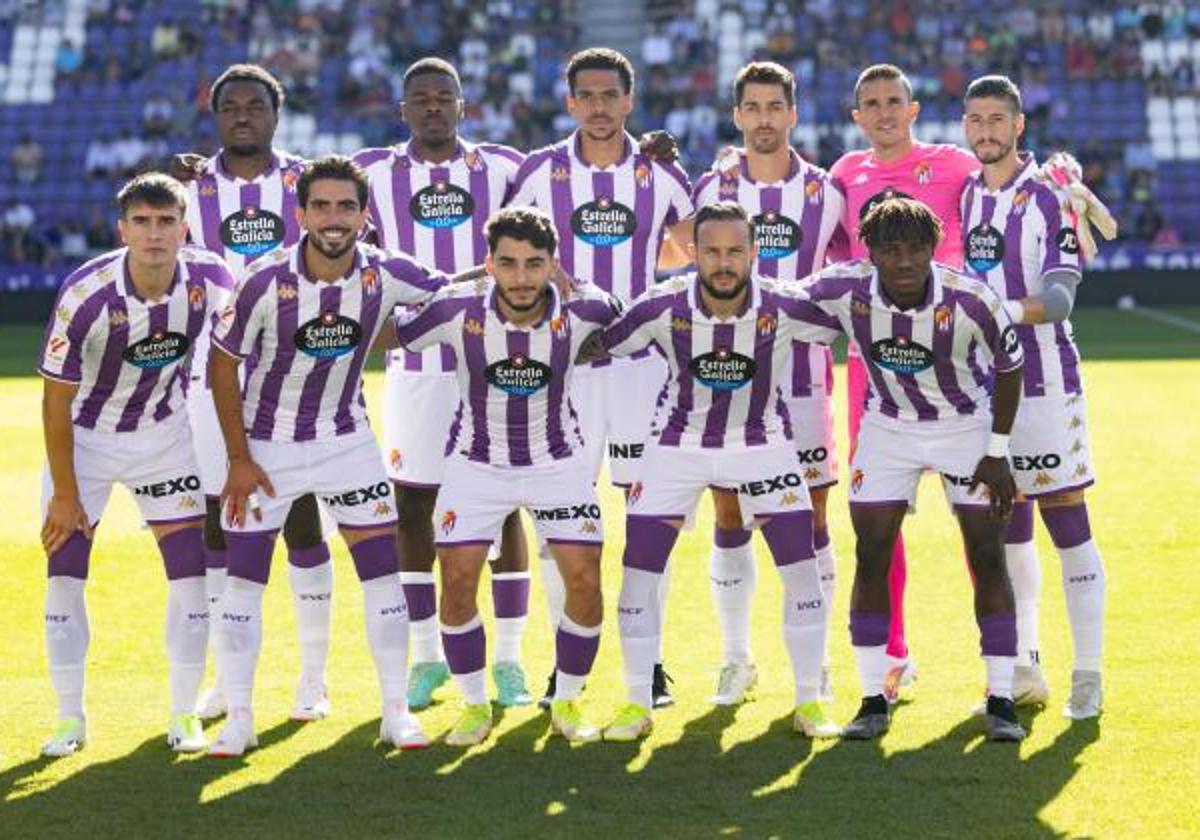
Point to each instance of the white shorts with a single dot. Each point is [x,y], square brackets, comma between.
[616,404]
[346,474]
[892,455]
[207,438]
[157,464]
[418,409]
[1049,445]
[768,480]
[814,438]
[476,498]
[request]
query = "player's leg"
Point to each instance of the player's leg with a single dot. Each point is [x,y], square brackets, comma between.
[311,575]
[578,636]
[510,603]
[429,672]
[827,568]
[1025,571]
[733,579]
[212,703]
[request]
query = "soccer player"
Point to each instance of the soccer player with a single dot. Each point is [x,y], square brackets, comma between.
[113,361]
[430,198]
[934,342]
[1020,237]
[517,444]
[611,204]
[727,336]
[311,313]
[242,205]
[796,211]
[935,174]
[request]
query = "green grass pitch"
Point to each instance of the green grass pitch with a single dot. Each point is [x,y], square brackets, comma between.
[703,772]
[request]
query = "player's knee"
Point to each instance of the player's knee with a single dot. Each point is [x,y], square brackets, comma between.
[415,506]
[302,529]
[727,511]
[214,535]
[1068,498]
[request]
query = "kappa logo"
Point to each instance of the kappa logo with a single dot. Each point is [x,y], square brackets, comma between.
[635,491]
[472,326]
[396,459]
[1074,399]
[789,499]
[382,509]
[79,292]
[812,474]
[1077,447]
[559,173]
[286,291]
[208,191]
[1042,480]
[589,528]
[197,297]
[188,503]
[1076,422]
[680,325]
[362,495]
[943,318]
[767,324]
[449,520]
[1081,471]
[856,481]
[117,317]
[860,308]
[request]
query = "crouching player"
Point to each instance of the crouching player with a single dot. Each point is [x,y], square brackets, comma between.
[727,336]
[113,411]
[311,313]
[516,443]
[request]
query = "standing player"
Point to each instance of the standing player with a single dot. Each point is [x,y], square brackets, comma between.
[727,336]
[430,198]
[242,205]
[517,445]
[935,341]
[933,173]
[113,362]
[796,211]
[611,204]
[311,313]
[1021,239]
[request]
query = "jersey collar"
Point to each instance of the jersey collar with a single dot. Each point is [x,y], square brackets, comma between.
[216,166]
[126,288]
[795,164]
[299,269]
[405,150]
[575,141]
[753,300]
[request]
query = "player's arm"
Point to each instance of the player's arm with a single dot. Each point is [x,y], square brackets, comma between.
[245,477]
[639,326]
[1054,303]
[674,252]
[808,310]
[1060,265]
[186,167]
[993,470]
[64,514]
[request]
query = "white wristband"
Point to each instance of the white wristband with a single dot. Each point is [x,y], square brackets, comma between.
[997,446]
[1015,310]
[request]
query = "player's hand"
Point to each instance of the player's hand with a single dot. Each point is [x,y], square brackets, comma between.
[186,167]
[562,281]
[244,480]
[64,516]
[994,474]
[659,145]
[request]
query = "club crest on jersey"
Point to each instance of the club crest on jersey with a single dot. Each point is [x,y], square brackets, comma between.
[728,186]
[449,520]
[722,369]
[766,324]
[777,236]
[289,180]
[943,318]
[472,327]
[473,160]
[196,297]
[370,281]
[558,326]
[642,175]
[1020,202]
[328,336]
[396,459]
[157,350]
[812,192]
[901,354]
[518,376]
[985,248]
[603,223]
[441,205]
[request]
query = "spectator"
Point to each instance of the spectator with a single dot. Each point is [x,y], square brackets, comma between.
[101,159]
[27,157]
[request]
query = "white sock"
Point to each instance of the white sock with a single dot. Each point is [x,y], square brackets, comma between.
[569,686]
[187,640]
[424,638]
[67,637]
[386,614]
[872,668]
[1000,675]
[1025,571]
[805,623]
[312,593]
[1084,586]
[664,588]
[827,568]
[238,639]
[641,625]
[214,585]
[552,583]
[472,685]
[510,631]
[733,579]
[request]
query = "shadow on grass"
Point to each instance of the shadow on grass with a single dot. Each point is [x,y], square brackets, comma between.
[525,785]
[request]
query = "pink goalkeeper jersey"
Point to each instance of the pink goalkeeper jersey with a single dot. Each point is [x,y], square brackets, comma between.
[933,173]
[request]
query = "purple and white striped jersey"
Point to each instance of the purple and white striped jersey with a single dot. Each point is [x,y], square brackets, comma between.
[436,213]
[128,355]
[931,362]
[794,221]
[724,385]
[514,382]
[311,338]
[610,221]
[1012,238]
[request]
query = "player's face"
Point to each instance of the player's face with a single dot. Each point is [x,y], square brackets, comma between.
[904,266]
[723,253]
[333,217]
[885,113]
[154,234]
[432,107]
[522,272]
[599,104]
[992,128]
[765,118]
[245,118]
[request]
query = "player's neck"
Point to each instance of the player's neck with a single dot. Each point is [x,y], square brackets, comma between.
[320,267]
[246,167]
[151,282]
[601,153]
[436,153]
[724,307]
[997,174]
[893,152]
[769,168]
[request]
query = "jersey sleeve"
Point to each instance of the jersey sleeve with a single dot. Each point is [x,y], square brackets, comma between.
[805,317]
[998,333]
[408,281]
[423,327]
[639,326]
[244,316]
[706,189]
[66,336]
[523,191]
[1060,240]
[679,197]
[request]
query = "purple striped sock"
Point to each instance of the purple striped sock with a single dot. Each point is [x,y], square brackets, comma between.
[1020,527]
[466,652]
[71,560]
[730,537]
[998,634]
[575,654]
[648,543]
[375,557]
[869,629]
[307,558]
[1068,526]
[183,553]
[510,595]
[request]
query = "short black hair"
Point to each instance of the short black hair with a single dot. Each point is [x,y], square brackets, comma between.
[722,211]
[900,219]
[333,168]
[995,87]
[247,73]
[525,224]
[154,189]
[431,66]
[600,58]
[764,73]
[877,72]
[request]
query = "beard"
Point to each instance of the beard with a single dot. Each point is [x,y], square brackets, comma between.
[245,149]
[765,145]
[521,307]
[331,251]
[993,157]
[723,294]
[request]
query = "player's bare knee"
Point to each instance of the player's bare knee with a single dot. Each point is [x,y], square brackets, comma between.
[214,534]
[727,511]
[514,551]
[302,528]
[820,502]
